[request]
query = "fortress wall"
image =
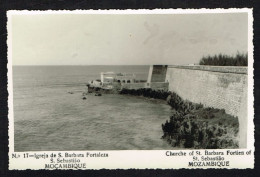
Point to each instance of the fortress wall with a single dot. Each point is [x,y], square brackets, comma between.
[159,86]
[155,86]
[213,86]
[133,85]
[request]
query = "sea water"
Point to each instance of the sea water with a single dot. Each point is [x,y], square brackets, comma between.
[48,118]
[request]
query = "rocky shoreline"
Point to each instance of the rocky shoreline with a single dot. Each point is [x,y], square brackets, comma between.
[192,125]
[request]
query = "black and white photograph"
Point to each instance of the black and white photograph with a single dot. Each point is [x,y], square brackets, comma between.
[130,81]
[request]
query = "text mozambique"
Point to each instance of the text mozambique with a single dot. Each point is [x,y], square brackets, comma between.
[209,164]
[66,166]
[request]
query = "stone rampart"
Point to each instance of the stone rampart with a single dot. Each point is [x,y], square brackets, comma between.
[154,85]
[213,86]
[133,85]
[159,86]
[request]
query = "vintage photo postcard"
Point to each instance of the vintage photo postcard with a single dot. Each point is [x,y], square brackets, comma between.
[130,89]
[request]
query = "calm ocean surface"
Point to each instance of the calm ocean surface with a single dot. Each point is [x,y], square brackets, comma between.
[47,118]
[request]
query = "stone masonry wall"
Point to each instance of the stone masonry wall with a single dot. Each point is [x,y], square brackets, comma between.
[159,86]
[218,87]
[155,86]
[133,85]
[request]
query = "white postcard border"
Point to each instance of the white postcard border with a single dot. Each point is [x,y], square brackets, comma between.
[126,159]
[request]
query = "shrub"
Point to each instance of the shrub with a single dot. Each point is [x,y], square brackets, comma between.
[225,60]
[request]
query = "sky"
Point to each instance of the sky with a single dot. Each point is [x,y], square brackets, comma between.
[125,39]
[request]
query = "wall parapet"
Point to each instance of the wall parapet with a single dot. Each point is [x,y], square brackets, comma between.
[222,69]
